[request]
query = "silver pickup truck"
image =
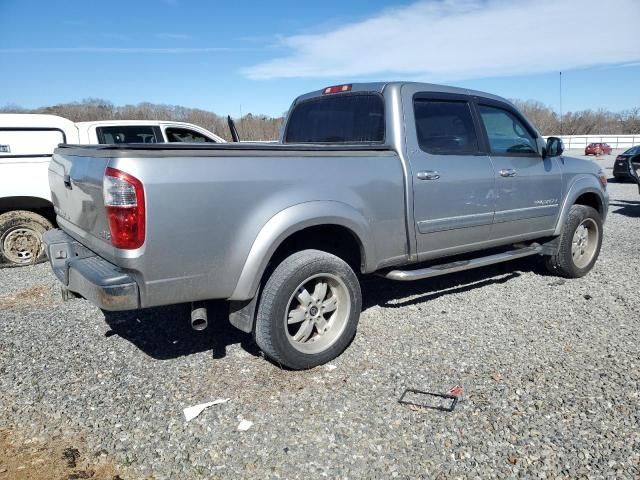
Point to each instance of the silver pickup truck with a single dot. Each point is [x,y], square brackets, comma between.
[404,180]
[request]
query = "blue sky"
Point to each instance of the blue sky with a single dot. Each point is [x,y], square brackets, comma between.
[256,56]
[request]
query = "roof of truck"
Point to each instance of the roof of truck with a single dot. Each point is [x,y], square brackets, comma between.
[134,122]
[426,87]
[46,121]
[34,120]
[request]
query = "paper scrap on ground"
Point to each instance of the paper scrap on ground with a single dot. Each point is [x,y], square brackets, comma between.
[192,412]
[330,366]
[456,391]
[244,425]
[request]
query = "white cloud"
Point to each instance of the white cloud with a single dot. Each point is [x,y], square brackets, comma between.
[461,39]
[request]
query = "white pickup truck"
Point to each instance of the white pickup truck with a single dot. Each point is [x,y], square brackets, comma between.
[27,142]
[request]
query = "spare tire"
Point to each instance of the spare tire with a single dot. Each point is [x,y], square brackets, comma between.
[21,237]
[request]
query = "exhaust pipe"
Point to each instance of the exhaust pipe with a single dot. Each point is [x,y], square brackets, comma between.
[199,318]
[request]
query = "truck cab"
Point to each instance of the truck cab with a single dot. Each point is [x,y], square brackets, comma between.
[143,131]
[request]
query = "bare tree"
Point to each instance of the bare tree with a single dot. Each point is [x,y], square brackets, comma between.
[262,127]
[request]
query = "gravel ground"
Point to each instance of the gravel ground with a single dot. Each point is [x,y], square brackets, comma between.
[550,370]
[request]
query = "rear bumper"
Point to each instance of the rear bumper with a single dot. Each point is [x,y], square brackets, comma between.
[83,272]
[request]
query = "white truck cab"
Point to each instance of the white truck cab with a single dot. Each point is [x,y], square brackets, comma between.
[27,142]
[142,131]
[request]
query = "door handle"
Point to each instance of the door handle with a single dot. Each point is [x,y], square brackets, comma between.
[67,181]
[428,175]
[507,172]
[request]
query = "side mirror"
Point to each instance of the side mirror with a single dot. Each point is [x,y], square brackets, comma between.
[554,147]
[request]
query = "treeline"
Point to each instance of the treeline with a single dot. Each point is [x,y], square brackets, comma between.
[262,127]
[250,127]
[585,122]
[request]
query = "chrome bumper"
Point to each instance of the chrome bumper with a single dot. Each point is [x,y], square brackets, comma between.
[83,272]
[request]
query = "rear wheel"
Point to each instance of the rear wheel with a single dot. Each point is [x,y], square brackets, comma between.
[580,243]
[21,237]
[309,310]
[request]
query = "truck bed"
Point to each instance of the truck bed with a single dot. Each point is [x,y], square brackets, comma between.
[208,204]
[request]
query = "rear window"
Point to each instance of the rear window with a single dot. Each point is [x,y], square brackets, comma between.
[632,150]
[129,134]
[343,118]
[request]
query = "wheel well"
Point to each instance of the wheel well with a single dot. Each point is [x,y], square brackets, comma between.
[33,204]
[590,200]
[334,239]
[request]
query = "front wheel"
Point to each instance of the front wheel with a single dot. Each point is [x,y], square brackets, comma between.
[309,310]
[580,243]
[21,237]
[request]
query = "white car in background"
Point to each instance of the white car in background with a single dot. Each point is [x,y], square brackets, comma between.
[27,142]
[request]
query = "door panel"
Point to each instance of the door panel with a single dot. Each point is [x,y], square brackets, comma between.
[456,209]
[528,202]
[453,180]
[528,187]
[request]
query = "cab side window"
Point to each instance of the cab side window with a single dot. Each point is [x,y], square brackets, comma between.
[445,127]
[129,134]
[507,135]
[186,135]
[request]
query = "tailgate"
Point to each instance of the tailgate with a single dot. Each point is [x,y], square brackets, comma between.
[76,191]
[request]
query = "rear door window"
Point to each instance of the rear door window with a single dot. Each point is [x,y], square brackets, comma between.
[129,134]
[507,134]
[186,135]
[445,127]
[341,118]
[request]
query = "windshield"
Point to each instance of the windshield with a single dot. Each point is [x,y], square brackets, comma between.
[342,118]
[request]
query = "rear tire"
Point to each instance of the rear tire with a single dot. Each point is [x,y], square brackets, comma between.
[21,237]
[580,243]
[309,310]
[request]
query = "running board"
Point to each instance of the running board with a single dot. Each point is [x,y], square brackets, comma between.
[436,270]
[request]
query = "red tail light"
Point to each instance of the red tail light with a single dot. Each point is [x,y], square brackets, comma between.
[619,157]
[124,202]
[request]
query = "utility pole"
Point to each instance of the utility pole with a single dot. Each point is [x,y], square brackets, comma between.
[560,103]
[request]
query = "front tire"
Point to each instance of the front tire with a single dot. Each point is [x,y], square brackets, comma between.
[21,237]
[580,243]
[309,310]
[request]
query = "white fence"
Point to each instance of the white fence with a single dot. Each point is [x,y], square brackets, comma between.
[615,141]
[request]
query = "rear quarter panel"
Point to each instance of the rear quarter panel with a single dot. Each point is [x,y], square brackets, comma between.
[205,213]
